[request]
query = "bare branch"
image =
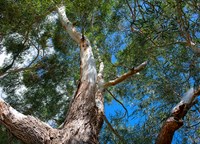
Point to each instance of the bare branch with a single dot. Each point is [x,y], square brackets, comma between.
[126,111]
[126,75]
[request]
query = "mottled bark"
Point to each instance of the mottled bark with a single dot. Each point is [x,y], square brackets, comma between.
[83,119]
[27,128]
[82,125]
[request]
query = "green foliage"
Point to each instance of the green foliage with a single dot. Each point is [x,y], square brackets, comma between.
[45,89]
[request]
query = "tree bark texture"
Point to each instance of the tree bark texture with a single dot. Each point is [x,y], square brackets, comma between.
[82,125]
[85,116]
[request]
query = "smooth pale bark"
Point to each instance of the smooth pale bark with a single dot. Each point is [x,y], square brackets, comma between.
[126,75]
[68,25]
[175,121]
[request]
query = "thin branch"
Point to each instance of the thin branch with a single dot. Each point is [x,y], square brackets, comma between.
[112,129]
[193,125]
[133,27]
[38,53]
[139,8]
[133,14]
[126,111]
[167,44]
[126,75]
[197,92]
[197,108]
[184,29]
[19,70]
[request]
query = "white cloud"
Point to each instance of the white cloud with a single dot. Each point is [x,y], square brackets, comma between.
[2,94]
[3,55]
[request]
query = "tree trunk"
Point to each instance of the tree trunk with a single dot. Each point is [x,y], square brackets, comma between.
[83,122]
[85,116]
[82,125]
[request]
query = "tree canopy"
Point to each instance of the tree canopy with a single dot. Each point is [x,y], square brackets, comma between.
[41,70]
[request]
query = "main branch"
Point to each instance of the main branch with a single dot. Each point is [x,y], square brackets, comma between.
[85,116]
[68,25]
[88,67]
[27,128]
[175,121]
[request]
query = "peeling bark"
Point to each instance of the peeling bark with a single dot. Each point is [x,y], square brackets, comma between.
[88,66]
[175,121]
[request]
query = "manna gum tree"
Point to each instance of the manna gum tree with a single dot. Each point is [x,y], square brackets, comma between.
[85,116]
[86,113]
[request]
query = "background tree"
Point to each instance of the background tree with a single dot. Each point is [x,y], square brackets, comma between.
[42,72]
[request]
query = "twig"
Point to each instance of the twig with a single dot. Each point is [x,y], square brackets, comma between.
[132,13]
[193,125]
[112,129]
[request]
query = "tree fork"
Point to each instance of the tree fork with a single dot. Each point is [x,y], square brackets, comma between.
[85,116]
